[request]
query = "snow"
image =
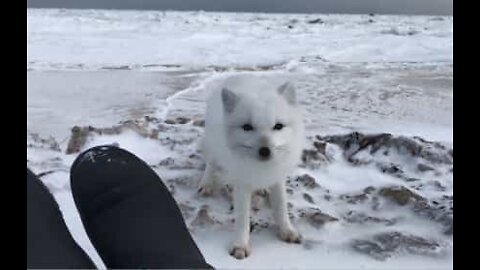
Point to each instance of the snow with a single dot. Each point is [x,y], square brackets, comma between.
[99,68]
[96,39]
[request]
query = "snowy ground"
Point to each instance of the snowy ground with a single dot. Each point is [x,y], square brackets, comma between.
[376,202]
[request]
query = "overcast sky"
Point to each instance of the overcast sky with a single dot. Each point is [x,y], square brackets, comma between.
[420,7]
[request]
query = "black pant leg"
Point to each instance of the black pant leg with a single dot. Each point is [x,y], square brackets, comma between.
[49,243]
[129,214]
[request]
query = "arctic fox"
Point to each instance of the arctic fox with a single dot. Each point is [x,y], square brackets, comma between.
[253,140]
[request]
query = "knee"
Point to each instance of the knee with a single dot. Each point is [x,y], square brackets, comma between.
[99,155]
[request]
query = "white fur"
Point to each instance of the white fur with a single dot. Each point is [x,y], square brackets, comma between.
[231,153]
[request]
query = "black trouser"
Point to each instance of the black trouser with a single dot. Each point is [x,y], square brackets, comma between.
[128,214]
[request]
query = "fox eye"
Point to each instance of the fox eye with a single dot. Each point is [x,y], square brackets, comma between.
[279,126]
[247,127]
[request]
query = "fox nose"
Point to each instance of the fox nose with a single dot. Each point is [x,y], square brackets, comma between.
[264,152]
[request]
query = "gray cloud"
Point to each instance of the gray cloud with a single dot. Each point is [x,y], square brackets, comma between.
[418,7]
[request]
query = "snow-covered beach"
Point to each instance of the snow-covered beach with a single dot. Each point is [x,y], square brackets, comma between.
[378,202]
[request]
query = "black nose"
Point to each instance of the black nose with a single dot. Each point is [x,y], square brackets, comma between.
[264,152]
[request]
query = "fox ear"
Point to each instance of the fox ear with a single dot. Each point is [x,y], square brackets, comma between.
[229,100]
[288,91]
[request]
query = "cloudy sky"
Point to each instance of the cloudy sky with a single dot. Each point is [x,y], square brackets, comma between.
[421,7]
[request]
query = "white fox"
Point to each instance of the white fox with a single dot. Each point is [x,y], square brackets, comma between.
[253,140]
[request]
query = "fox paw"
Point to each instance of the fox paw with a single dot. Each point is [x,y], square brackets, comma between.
[240,252]
[290,236]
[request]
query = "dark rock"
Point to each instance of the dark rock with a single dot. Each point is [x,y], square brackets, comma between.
[321,147]
[79,135]
[400,195]
[38,142]
[438,186]
[178,121]
[384,245]
[289,205]
[424,168]
[182,120]
[259,225]
[308,198]
[369,190]
[316,21]
[354,199]
[391,169]
[78,138]
[307,181]
[361,218]
[167,162]
[313,158]
[355,142]
[117,68]
[441,212]
[199,123]
[316,218]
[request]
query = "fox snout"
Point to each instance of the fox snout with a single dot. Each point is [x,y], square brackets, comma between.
[264,153]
